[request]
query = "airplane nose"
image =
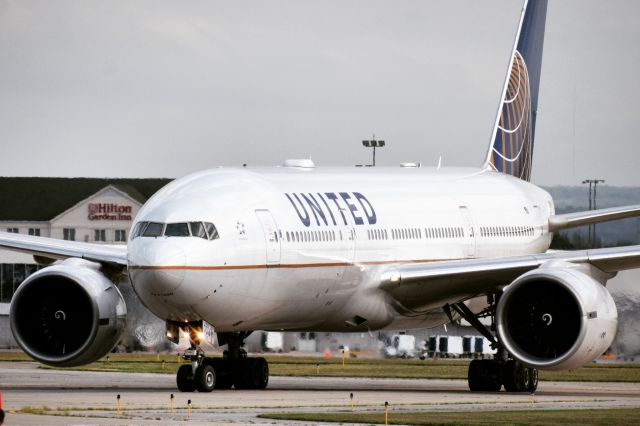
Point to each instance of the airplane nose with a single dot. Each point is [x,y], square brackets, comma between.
[162,268]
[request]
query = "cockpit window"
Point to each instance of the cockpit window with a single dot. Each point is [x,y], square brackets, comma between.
[139,228]
[204,230]
[211,231]
[197,230]
[177,230]
[153,229]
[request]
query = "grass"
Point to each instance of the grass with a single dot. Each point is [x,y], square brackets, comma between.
[296,366]
[532,417]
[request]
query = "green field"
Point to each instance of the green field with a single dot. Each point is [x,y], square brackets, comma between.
[533,417]
[283,365]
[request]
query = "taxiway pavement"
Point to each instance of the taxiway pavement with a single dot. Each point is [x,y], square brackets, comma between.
[90,397]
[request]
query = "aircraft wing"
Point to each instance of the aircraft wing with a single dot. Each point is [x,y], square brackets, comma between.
[570,220]
[442,282]
[51,248]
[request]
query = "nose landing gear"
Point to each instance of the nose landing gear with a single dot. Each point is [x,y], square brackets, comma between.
[234,368]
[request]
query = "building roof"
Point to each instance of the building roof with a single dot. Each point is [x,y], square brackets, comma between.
[42,198]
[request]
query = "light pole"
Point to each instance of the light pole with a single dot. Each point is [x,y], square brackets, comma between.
[593,183]
[373,143]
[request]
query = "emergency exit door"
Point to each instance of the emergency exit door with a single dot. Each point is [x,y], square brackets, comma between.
[271,237]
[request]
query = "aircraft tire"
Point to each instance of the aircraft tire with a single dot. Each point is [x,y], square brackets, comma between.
[242,378]
[260,373]
[224,374]
[518,378]
[205,379]
[533,381]
[510,373]
[184,379]
[485,375]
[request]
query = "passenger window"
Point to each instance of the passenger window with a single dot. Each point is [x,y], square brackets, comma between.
[197,230]
[211,231]
[176,230]
[153,229]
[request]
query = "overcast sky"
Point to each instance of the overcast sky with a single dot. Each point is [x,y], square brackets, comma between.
[165,88]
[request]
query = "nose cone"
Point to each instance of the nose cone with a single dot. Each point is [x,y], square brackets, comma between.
[158,268]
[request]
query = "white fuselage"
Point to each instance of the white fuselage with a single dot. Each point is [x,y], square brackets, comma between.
[303,249]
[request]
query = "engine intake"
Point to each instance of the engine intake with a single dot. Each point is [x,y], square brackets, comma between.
[68,314]
[556,318]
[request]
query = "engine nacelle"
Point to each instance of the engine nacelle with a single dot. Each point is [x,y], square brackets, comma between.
[556,318]
[68,314]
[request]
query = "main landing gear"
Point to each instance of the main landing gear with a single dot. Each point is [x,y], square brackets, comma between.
[489,375]
[233,369]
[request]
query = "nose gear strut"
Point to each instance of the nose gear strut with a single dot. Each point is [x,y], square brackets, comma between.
[234,368]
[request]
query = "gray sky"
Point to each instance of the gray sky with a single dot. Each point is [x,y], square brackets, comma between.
[162,89]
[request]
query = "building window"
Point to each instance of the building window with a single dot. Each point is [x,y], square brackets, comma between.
[100,235]
[69,234]
[121,235]
[34,231]
[6,282]
[12,230]
[11,276]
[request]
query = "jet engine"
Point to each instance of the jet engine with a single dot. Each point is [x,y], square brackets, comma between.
[556,318]
[68,314]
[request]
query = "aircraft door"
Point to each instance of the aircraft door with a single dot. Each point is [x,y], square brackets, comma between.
[469,232]
[350,237]
[351,244]
[271,237]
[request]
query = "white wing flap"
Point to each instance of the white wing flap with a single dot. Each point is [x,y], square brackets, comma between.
[60,249]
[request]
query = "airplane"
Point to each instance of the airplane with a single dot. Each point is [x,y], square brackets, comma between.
[305,248]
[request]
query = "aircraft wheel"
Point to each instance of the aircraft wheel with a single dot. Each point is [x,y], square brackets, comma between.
[260,373]
[533,380]
[184,379]
[242,378]
[224,374]
[205,379]
[511,372]
[484,375]
[518,378]
[224,382]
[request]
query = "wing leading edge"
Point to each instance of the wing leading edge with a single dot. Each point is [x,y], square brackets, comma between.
[59,249]
[570,220]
